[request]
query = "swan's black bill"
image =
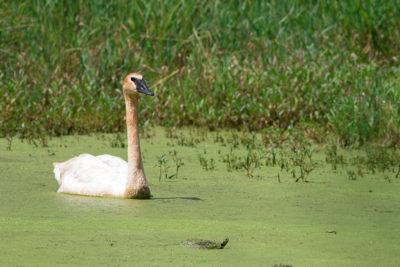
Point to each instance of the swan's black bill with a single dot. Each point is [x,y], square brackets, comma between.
[141,86]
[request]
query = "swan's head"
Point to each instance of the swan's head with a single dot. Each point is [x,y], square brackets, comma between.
[135,84]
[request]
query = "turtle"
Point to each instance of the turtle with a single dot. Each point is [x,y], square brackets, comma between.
[205,244]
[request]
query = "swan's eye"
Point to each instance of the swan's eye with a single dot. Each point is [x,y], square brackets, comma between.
[133,79]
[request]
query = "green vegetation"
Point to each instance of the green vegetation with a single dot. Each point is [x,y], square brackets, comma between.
[247,64]
[330,221]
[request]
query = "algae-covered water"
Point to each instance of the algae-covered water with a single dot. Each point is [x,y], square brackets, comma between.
[330,221]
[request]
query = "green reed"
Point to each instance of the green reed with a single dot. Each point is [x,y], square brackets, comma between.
[239,64]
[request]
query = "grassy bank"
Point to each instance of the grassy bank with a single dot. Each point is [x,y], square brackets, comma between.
[333,220]
[252,64]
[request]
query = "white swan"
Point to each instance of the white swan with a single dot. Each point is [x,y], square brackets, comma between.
[106,175]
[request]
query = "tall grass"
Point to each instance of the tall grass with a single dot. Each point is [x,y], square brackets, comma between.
[251,64]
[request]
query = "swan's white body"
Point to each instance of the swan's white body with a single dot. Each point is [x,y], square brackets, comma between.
[104,175]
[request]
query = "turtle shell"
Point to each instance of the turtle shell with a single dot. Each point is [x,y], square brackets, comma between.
[205,244]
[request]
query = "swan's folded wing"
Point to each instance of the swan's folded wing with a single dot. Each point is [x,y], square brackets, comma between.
[112,161]
[90,175]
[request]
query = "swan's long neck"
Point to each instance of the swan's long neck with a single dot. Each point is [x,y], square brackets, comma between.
[137,186]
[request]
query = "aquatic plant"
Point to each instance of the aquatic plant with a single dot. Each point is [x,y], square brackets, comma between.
[163,167]
[178,163]
[206,164]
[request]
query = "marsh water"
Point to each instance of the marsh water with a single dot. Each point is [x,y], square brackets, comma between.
[329,221]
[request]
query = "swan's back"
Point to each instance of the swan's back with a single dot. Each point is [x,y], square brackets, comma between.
[104,175]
